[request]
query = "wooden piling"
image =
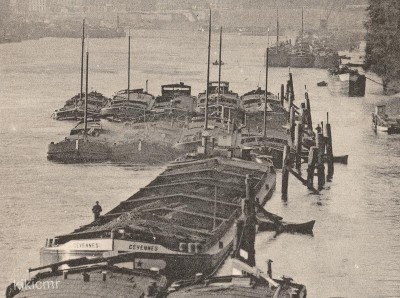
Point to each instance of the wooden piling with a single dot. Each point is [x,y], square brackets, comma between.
[298,136]
[291,84]
[292,119]
[282,95]
[285,172]
[320,160]
[312,159]
[287,92]
[308,108]
[329,151]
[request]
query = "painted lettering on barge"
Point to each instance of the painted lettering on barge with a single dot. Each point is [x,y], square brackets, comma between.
[86,245]
[89,245]
[143,247]
[123,245]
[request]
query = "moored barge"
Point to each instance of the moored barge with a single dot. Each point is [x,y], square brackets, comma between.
[181,223]
[74,108]
[346,81]
[384,123]
[132,105]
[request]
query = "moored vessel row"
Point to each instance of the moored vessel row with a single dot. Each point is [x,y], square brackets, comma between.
[308,52]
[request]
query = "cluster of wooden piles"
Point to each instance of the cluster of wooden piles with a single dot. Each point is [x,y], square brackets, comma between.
[307,145]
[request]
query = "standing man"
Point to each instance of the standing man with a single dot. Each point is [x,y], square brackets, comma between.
[96,210]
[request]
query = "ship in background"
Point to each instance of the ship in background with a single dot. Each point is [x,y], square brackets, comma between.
[278,55]
[325,58]
[129,104]
[309,51]
[84,144]
[133,105]
[76,107]
[175,101]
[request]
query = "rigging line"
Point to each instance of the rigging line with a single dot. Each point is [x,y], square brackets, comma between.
[380,83]
[259,76]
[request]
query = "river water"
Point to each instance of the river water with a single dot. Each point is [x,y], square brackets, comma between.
[355,249]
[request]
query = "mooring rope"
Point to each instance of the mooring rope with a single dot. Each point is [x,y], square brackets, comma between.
[381,84]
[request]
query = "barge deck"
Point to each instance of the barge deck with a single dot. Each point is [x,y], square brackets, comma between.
[181,222]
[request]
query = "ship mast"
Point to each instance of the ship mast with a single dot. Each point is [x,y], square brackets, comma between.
[86,91]
[266,90]
[277,29]
[82,59]
[129,64]
[302,28]
[208,74]
[220,63]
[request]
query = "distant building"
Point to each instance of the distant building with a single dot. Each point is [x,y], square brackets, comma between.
[39,6]
[29,6]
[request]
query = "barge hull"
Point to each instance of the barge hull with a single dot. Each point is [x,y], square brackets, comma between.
[183,221]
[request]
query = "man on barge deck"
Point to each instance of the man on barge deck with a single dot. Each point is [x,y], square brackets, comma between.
[96,210]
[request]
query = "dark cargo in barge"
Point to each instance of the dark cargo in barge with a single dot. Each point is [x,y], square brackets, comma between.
[181,223]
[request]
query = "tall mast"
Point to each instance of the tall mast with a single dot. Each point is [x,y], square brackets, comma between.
[82,59]
[220,63]
[129,64]
[277,29]
[266,93]
[208,74]
[302,28]
[87,86]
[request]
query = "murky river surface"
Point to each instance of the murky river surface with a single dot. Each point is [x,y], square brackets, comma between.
[355,249]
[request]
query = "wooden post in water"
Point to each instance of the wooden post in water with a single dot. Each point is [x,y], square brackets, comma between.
[298,136]
[290,93]
[320,159]
[291,84]
[250,229]
[292,125]
[285,172]
[282,95]
[312,159]
[308,108]
[287,97]
[329,150]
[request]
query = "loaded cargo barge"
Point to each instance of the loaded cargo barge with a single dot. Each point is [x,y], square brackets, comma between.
[181,223]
